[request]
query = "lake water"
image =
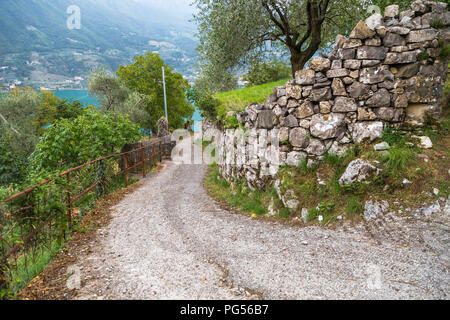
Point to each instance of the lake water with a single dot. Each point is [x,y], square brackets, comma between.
[81,95]
[84,97]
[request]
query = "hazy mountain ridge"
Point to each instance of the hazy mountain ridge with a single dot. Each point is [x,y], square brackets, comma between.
[37,47]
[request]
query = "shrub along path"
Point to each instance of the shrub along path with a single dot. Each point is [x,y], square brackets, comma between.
[170,240]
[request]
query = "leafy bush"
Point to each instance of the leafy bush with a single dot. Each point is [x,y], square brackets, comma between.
[260,73]
[72,142]
[205,102]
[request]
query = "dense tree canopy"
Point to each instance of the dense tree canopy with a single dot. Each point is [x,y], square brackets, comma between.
[71,142]
[233,32]
[144,77]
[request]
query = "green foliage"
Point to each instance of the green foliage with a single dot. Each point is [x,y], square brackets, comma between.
[324,209]
[71,142]
[423,56]
[445,52]
[205,102]
[396,160]
[215,78]
[354,207]
[237,100]
[404,4]
[264,72]
[234,33]
[394,136]
[12,162]
[108,90]
[144,76]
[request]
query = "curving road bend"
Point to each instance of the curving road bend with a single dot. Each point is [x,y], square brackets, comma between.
[170,240]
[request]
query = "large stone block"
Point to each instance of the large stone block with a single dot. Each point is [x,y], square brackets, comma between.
[327,126]
[421,35]
[305,77]
[321,94]
[366,131]
[343,104]
[375,75]
[401,58]
[362,31]
[371,53]
[320,64]
[305,110]
[299,137]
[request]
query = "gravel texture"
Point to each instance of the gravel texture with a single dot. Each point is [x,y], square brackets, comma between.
[170,240]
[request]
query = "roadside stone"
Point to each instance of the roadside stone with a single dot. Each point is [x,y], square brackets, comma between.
[357,171]
[382,146]
[425,142]
[375,209]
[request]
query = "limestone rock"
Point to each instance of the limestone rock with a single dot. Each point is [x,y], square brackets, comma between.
[375,209]
[357,89]
[338,73]
[327,126]
[305,110]
[305,77]
[421,35]
[343,104]
[357,171]
[375,75]
[338,88]
[400,58]
[374,22]
[381,98]
[321,94]
[294,91]
[369,131]
[298,137]
[266,119]
[320,64]
[362,31]
[290,121]
[294,158]
[392,11]
[371,53]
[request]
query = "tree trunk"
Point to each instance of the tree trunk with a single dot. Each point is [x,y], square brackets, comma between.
[298,61]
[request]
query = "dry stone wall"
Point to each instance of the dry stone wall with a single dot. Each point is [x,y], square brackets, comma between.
[390,71]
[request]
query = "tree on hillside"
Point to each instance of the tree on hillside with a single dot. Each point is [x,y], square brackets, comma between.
[144,76]
[107,88]
[232,32]
[264,72]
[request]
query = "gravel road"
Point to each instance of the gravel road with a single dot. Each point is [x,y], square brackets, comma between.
[170,240]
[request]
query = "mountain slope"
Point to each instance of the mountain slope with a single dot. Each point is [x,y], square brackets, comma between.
[36,43]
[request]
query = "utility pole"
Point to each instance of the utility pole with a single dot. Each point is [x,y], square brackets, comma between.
[165,98]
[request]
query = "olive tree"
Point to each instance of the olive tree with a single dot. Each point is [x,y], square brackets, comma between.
[233,32]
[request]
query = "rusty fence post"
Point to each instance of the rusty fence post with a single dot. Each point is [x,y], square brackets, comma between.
[69,201]
[125,169]
[160,151]
[143,162]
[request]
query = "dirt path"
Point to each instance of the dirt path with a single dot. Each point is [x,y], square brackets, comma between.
[169,240]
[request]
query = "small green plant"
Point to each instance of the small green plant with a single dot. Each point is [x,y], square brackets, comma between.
[437,24]
[354,207]
[445,52]
[324,209]
[394,136]
[398,159]
[423,56]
